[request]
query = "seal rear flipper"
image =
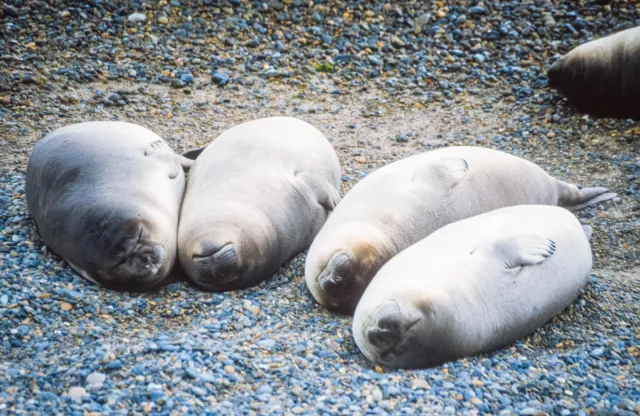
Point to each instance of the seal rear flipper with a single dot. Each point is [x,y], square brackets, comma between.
[446,172]
[326,194]
[160,149]
[588,230]
[574,199]
[193,153]
[518,250]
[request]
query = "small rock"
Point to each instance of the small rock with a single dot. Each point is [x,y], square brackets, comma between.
[220,78]
[376,394]
[402,138]
[479,58]
[137,17]
[76,392]
[9,11]
[266,343]
[96,379]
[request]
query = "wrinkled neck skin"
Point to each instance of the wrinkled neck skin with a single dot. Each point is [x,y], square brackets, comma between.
[364,249]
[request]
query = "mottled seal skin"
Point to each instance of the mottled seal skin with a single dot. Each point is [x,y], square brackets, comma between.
[473,286]
[256,196]
[106,198]
[602,77]
[405,201]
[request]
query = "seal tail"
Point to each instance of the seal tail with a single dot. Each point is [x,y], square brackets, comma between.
[574,199]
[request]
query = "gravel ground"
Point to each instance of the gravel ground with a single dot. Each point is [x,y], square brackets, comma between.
[382,81]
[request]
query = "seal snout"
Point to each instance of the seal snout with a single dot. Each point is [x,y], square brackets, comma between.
[555,72]
[138,263]
[337,281]
[390,332]
[384,335]
[561,74]
[216,266]
[385,330]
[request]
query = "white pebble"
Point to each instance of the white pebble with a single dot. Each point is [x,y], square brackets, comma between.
[376,394]
[76,392]
[137,17]
[96,379]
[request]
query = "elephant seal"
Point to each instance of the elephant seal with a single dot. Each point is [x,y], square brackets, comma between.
[405,201]
[105,196]
[256,196]
[602,77]
[473,286]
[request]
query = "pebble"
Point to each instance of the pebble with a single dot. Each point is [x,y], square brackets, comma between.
[220,78]
[137,17]
[96,379]
[76,392]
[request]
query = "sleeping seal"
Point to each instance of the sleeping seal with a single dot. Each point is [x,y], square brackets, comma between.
[105,197]
[405,201]
[602,77]
[256,196]
[473,286]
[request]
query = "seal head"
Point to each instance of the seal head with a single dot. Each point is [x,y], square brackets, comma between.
[339,269]
[402,333]
[123,252]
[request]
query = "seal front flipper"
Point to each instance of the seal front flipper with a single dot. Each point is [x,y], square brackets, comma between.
[161,150]
[446,172]
[193,153]
[517,250]
[326,194]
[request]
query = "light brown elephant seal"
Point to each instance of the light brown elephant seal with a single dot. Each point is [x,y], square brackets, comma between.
[405,201]
[256,196]
[473,286]
[602,77]
[106,196]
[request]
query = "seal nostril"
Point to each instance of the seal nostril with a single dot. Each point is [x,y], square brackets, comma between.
[383,338]
[334,284]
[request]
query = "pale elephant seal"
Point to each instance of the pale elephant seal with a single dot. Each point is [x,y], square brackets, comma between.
[256,196]
[473,286]
[602,77]
[405,201]
[106,198]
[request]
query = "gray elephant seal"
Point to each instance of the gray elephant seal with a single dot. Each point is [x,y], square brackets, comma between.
[256,196]
[473,286]
[106,198]
[405,201]
[601,77]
